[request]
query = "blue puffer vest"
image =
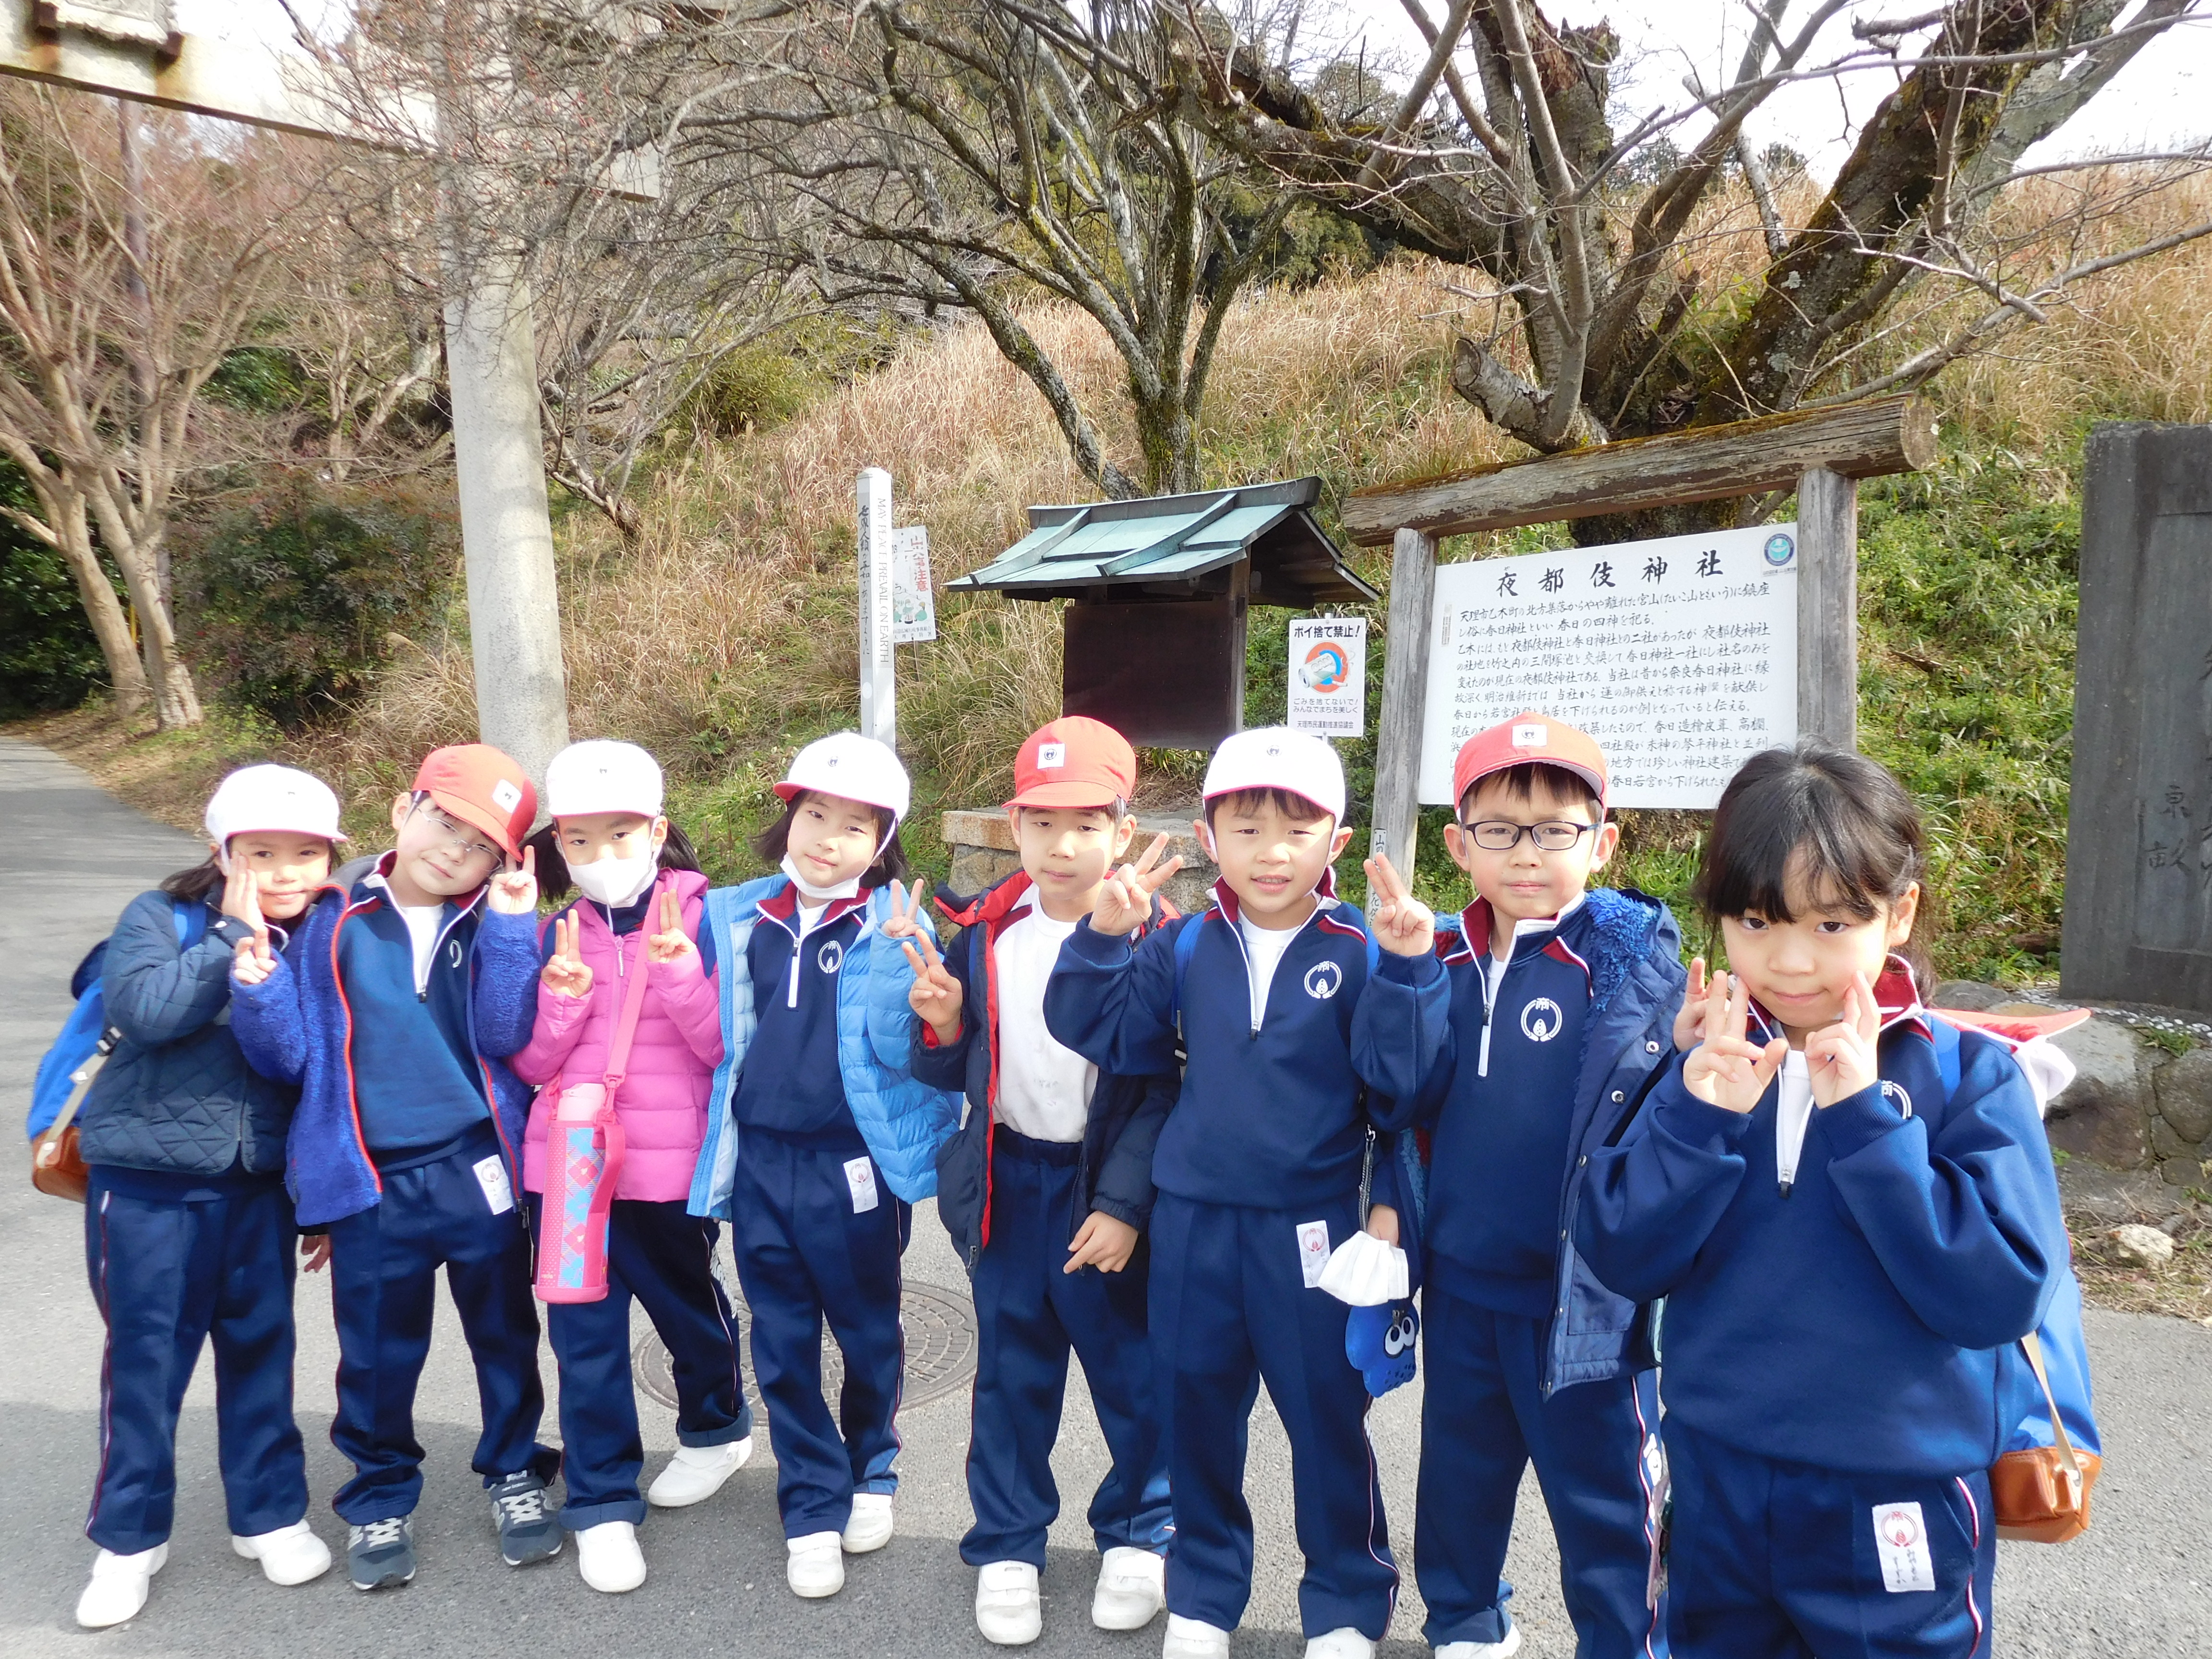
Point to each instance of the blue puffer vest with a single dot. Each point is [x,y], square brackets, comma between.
[902,1121]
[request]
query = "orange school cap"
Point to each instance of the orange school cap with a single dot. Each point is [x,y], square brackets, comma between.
[1527,739]
[481,786]
[1074,760]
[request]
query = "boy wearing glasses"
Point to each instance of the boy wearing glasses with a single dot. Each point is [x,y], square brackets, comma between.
[1563,1000]
[389,1006]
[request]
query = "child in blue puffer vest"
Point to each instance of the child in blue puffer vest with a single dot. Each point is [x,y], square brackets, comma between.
[813,1112]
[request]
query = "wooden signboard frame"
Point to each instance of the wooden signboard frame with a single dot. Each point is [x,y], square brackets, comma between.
[1821,453]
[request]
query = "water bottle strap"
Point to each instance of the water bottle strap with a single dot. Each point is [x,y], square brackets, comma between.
[632,1004]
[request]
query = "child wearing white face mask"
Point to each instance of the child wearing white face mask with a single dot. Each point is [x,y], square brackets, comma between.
[640,914]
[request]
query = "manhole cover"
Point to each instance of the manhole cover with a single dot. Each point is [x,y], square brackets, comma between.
[940,1350]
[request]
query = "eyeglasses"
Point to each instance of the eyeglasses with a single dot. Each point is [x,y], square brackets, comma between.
[1497,835]
[461,837]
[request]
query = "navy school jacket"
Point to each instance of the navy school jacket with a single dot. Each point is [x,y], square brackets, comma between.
[1866,1321]
[1127,1111]
[1621,951]
[1270,1117]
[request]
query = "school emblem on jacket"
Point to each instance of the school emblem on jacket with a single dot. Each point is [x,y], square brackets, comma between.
[1540,1019]
[1897,1095]
[1323,981]
[830,957]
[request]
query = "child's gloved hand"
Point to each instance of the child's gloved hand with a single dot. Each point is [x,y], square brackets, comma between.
[935,994]
[1103,1242]
[514,892]
[566,973]
[672,944]
[1403,925]
[1379,1343]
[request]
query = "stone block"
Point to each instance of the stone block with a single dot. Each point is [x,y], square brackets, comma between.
[2104,1114]
[982,844]
[2183,1087]
[2165,1142]
[2186,1171]
[1968,994]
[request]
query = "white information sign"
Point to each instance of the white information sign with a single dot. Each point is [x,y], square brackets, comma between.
[914,601]
[1679,655]
[1328,676]
[878,693]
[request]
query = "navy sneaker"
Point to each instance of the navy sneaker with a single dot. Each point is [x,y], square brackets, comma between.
[381,1555]
[529,1529]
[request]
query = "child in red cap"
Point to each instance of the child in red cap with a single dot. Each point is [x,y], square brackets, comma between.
[1046,1189]
[1563,999]
[391,1006]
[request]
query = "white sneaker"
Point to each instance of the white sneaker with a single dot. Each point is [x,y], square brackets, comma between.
[1131,1589]
[696,1473]
[870,1525]
[609,1557]
[119,1586]
[1008,1610]
[290,1555]
[1500,1650]
[1194,1639]
[1343,1642]
[816,1567]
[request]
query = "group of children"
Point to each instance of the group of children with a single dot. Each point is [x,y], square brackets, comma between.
[1164,1142]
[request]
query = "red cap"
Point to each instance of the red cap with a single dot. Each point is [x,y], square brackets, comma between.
[1074,762]
[480,785]
[1525,740]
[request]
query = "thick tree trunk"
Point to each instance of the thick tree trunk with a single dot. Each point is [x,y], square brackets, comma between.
[126,675]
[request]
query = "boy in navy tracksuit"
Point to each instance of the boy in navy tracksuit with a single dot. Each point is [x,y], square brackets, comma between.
[1562,1003]
[387,1007]
[1047,1188]
[1850,1251]
[1295,1024]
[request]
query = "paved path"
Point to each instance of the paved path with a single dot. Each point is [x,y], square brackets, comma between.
[2139,1585]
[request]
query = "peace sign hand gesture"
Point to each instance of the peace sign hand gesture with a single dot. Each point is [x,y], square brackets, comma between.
[1125,899]
[566,973]
[672,944]
[1841,1057]
[935,995]
[253,961]
[514,892]
[1403,925]
[908,920]
[1726,1069]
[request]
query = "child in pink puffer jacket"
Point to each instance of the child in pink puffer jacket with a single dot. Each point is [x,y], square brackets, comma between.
[640,914]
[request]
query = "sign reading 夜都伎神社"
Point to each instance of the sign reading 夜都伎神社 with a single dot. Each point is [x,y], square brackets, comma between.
[1679,655]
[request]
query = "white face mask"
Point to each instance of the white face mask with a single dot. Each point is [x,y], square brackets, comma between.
[614,882]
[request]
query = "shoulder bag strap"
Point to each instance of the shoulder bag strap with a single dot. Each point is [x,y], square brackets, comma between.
[2032,1346]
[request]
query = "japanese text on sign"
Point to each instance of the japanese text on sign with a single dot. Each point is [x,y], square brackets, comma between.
[1328,676]
[1679,655]
[914,601]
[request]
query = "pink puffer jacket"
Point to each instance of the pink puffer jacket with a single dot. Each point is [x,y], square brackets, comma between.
[663,1102]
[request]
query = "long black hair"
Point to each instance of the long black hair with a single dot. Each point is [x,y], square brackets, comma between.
[773,843]
[197,884]
[556,883]
[1842,822]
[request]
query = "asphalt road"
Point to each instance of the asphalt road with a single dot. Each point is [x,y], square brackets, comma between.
[2139,1583]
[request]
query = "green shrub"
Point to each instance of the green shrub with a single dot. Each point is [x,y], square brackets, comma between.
[49,657]
[290,600]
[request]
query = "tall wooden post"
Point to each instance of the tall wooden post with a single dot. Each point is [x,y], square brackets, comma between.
[1405,698]
[1829,607]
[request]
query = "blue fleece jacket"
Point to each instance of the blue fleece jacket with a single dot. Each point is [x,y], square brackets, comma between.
[1270,1117]
[792,1084]
[416,1079]
[1864,1322]
[299,1026]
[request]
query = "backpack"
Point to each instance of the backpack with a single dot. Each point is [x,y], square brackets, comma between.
[2041,1482]
[73,1060]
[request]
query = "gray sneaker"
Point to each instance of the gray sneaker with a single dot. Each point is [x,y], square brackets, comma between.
[381,1555]
[529,1529]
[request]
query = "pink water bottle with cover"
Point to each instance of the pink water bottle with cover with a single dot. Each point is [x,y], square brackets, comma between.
[584,1147]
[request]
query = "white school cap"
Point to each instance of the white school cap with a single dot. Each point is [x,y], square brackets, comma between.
[853,768]
[272,798]
[602,775]
[1276,757]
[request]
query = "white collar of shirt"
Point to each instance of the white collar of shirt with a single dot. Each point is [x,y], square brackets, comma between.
[425,924]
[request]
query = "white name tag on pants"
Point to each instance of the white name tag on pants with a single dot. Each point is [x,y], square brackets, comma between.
[860,1176]
[1313,1251]
[1901,1538]
[491,1176]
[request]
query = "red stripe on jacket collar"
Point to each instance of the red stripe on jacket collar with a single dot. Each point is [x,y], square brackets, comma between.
[783,907]
[1896,995]
[993,904]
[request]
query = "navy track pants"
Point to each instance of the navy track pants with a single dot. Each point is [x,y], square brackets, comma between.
[384,1280]
[1029,1312]
[1230,1308]
[1595,1445]
[1770,1560]
[804,1256]
[168,1277]
[662,1256]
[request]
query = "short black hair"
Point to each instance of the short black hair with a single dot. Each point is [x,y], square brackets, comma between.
[554,881]
[1559,782]
[1294,806]
[1847,818]
[891,865]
